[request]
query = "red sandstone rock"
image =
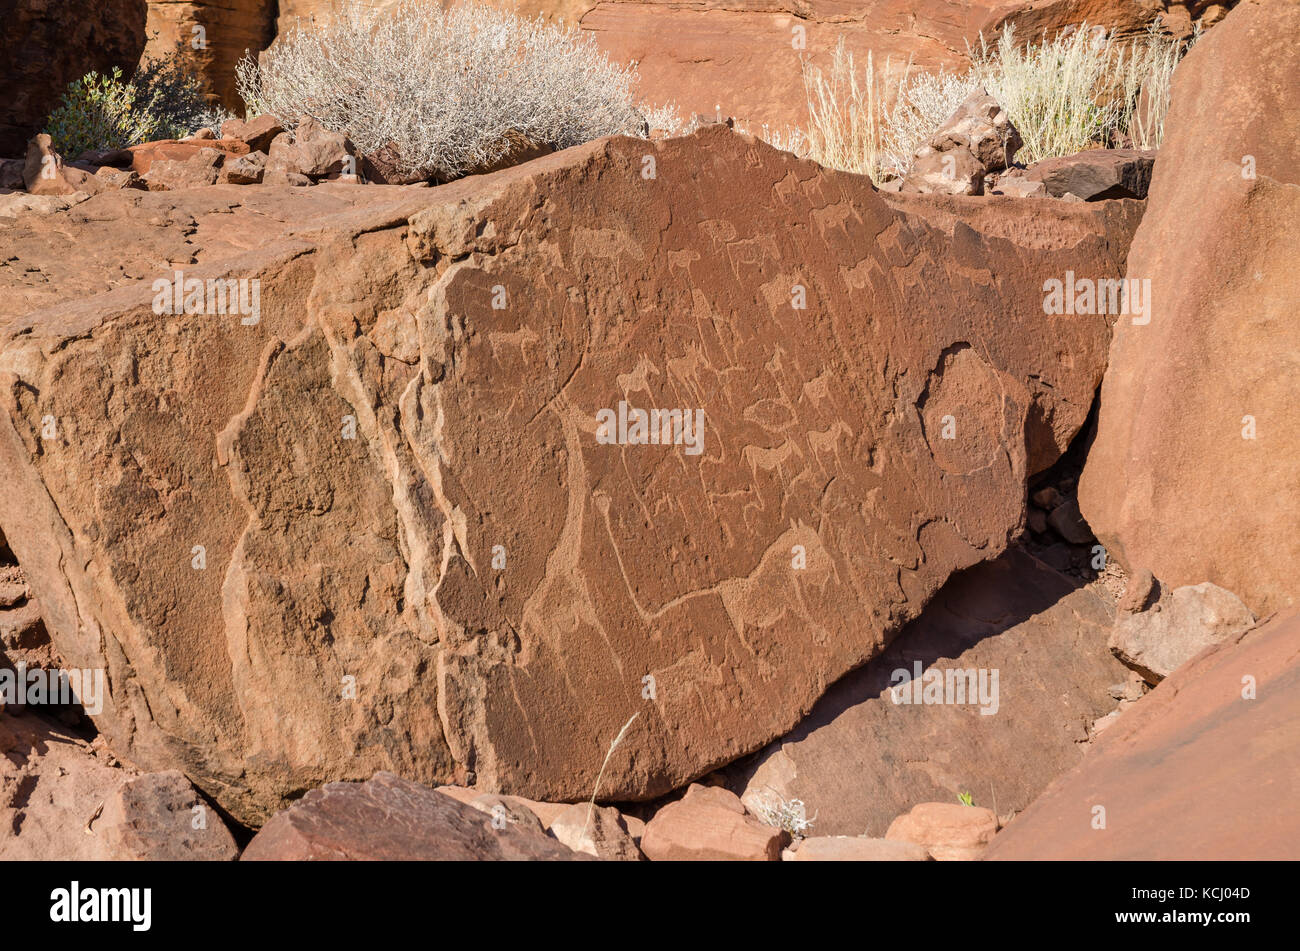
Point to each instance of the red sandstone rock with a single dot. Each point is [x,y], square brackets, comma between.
[1096,175]
[43,170]
[159,817]
[17,204]
[389,818]
[746,57]
[63,798]
[601,832]
[951,173]
[508,810]
[1193,475]
[1203,767]
[1019,187]
[859,759]
[244,169]
[355,579]
[948,830]
[311,151]
[701,829]
[981,127]
[843,848]
[200,169]
[547,812]
[256,133]
[143,156]
[213,36]
[1177,627]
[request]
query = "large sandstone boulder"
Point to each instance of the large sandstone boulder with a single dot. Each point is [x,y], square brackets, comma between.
[388,818]
[43,170]
[1205,767]
[1095,175]
[710,825]
[144,155]
[949,831]
[1194,472]
[863,756]
[47,45]
[976,139]
[382,521]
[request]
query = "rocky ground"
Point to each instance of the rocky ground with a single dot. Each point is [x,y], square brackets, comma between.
[316,470]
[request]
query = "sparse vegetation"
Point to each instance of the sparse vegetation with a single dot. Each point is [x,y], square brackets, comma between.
[668,120]
[866,128]
[1081,89]
[443,90]
[788,814]
[591,805]
[163,100]
[98,111]
[966,799]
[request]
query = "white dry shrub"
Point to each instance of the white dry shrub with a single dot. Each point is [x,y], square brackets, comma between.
[921,104]
[443,88]
[1082,89]
[668,120]
[789,139]
[788,814]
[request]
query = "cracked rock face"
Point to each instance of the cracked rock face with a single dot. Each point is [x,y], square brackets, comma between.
[400,520]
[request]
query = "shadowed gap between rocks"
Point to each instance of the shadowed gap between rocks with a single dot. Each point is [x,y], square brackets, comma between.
[1044,624]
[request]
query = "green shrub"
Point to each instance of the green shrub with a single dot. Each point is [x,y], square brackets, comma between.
[97,112]
[163,100]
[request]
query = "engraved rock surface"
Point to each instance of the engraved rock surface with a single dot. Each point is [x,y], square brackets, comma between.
[369,524]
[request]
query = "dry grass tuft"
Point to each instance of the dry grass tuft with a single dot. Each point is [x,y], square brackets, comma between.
[1082,89]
